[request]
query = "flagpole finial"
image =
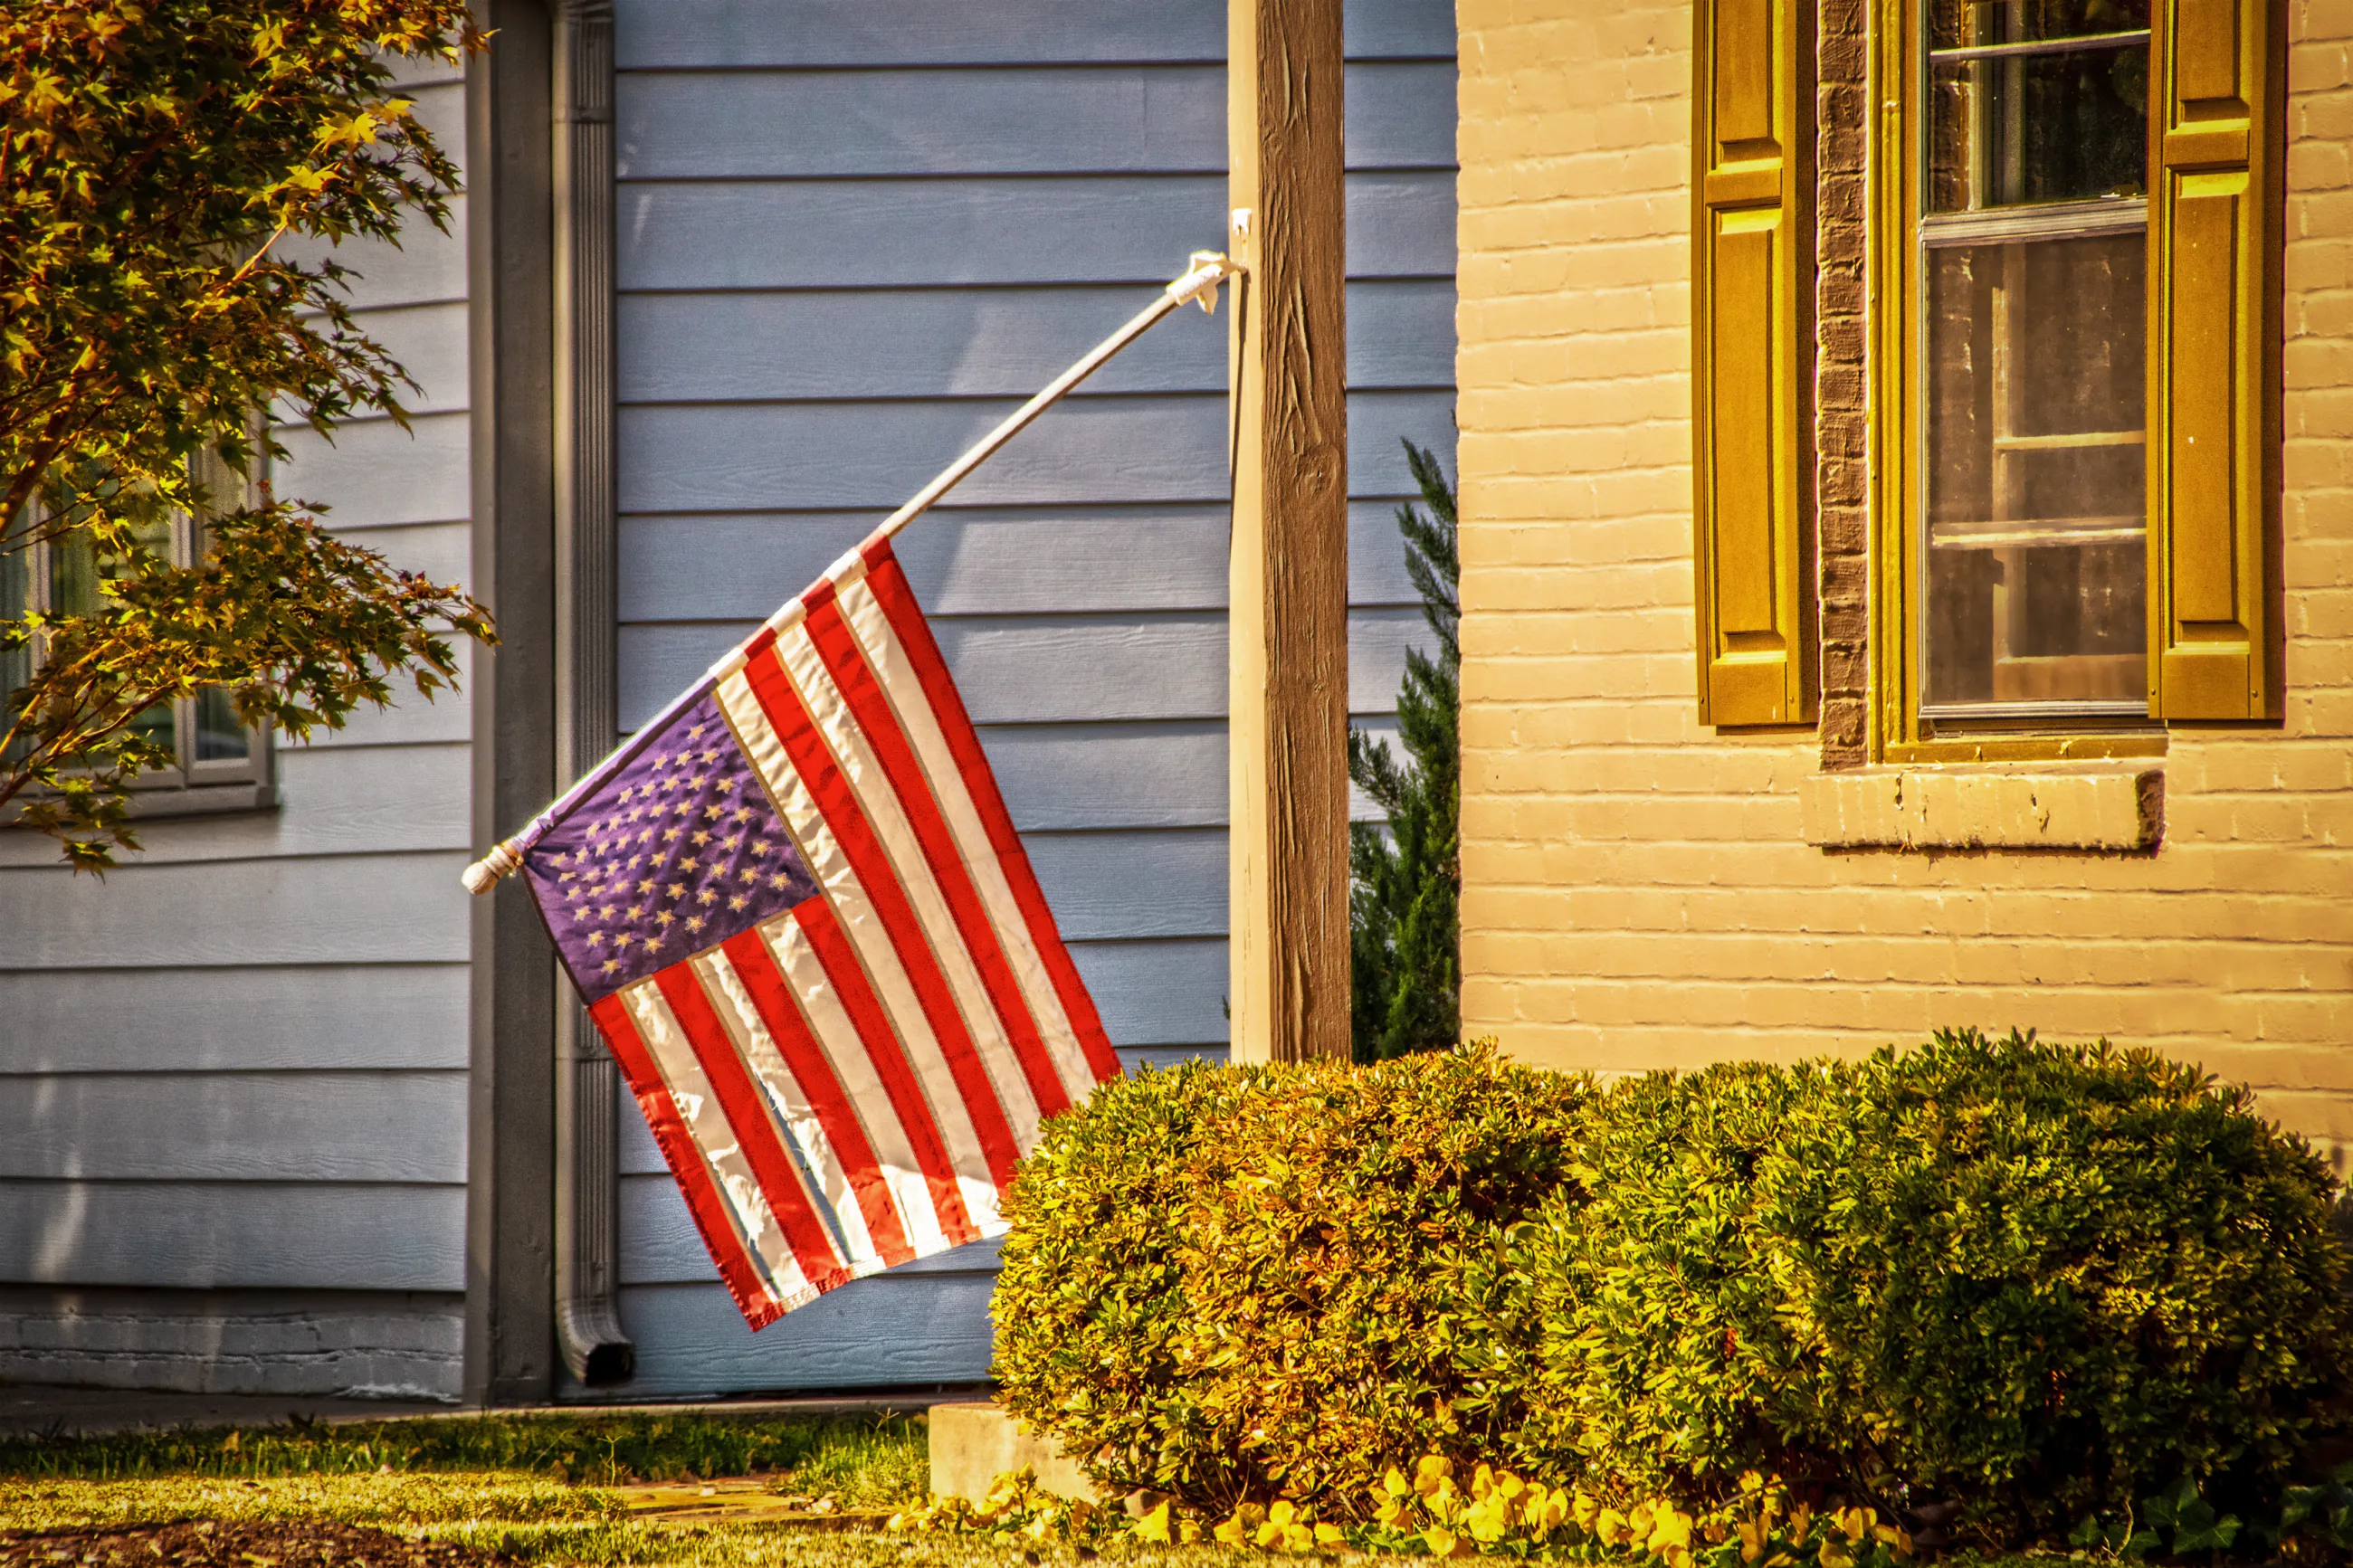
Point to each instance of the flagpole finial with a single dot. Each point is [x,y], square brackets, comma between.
[484,874]
[1205,269]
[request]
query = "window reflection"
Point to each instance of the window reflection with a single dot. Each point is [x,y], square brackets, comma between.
[2033,286]
[77,568]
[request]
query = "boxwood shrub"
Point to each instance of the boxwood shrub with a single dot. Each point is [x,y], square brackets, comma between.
[2017,1283]
[2034,1281]
[1233,1284]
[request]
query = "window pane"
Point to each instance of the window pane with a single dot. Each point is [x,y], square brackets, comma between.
[2040,126]
[1959,24]
[76,569]
[15,599]
[2037,517]
[219,736]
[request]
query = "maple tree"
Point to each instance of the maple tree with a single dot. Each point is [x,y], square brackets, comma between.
[161,163]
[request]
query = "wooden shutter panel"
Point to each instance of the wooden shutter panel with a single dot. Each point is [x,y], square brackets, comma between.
[2213,280]
[1752,279]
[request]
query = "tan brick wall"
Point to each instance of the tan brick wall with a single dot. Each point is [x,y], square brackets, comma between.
[1637,889]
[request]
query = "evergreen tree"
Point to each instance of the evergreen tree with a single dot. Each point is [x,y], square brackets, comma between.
[1404,933]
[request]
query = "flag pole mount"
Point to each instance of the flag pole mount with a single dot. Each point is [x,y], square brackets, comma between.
[1204,271]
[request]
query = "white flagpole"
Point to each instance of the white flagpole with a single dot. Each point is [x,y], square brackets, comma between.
[1205,270]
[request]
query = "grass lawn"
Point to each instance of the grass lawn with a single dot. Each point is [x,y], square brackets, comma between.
[463,1491]
[538,1489]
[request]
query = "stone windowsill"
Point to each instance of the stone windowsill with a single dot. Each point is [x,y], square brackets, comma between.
[2095,806]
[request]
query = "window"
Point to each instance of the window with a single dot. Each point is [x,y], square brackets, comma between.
[220,764]
[2079,392]
[2072,369]
[2031,365]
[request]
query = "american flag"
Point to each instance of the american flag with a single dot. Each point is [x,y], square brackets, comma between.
[800,917]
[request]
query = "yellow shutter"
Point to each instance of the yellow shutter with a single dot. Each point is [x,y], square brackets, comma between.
[2213,281]
[1752,280]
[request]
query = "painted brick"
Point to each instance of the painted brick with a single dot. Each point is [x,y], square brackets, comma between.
[1638,890]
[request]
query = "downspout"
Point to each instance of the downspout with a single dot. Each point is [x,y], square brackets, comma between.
[587,1259]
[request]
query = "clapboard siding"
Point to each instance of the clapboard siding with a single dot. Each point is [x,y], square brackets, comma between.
[428,342]
[374,474]
[666,1249]
[834,234]
[328,909]
[1155,994]
[403,797]
[996,342]
[1122,885]
[974,560]
[206,1235]
[239,1061]
[875,1333]
[1042,669]
[440,550]
[751,457]
[732,34]
[851,237]
[1125,774]
[1400,113]
[413,720]
[1008,120]
[425,264]
[233,1018]
[1087,119]
[374,1126]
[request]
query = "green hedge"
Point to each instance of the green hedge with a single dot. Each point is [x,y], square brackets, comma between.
[2032,1282]
[2036,1281]
[1231,1284]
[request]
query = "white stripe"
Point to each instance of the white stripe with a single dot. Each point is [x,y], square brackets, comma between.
[836,1037]
[888,816]
[789,1104]
[830,866]
[865,615]
[731,1173]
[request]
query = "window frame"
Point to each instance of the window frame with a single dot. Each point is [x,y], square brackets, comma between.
[192,785]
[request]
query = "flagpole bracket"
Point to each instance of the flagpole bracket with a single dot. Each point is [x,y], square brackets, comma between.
[1205,269]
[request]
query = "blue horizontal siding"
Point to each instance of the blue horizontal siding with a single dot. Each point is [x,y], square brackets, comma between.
[851,237]
[762,346]
[1089,119]
[974,559]
[731,35]
[966,230]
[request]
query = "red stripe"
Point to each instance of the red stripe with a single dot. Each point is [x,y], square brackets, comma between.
[859,688]
[685,1156]
[772,998]
[848,976]
[755,1129]
[837,802]
[914,634]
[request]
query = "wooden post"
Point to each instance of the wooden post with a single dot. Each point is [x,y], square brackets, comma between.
[1288,670]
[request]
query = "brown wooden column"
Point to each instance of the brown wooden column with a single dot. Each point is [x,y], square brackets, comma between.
[1288,674]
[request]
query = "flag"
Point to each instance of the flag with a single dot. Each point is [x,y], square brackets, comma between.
[798,913]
